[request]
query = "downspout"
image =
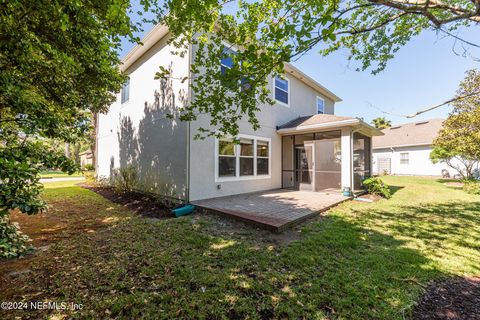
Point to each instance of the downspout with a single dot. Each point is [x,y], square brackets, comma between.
[189,99]
[95,157]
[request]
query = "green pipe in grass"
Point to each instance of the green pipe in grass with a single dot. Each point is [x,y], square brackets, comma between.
[183,211]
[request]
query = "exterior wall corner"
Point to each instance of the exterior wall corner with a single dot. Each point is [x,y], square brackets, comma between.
[346,145]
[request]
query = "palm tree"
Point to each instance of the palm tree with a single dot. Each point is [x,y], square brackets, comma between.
[381,123]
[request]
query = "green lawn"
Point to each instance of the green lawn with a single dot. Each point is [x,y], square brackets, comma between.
[362,261]
[58,174]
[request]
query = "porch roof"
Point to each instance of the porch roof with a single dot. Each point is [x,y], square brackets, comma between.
[322,122]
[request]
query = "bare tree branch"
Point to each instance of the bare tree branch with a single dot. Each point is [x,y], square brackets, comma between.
[413,115]
[457,98]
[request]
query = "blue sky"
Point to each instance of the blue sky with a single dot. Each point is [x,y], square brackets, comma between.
[425,72]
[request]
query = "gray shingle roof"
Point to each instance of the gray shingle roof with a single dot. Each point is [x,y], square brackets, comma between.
[409,134]
[315,119]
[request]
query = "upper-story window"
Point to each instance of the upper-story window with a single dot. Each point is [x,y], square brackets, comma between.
[281,93]
[227,61]
[320,105]
[126,91]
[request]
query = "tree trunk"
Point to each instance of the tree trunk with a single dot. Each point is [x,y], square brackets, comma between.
[67,149]
[93,141]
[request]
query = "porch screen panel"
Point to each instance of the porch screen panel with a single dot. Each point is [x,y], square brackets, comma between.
[361,159]
[300,139]
[328,161]
[288,169]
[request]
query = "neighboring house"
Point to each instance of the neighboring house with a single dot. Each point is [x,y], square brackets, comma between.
[301,143]
[86,158]
[405,150]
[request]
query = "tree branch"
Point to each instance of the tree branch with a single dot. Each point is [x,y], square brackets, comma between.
[457,98]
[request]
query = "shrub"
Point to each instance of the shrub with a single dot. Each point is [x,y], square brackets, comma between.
[125,179]
[376,186]
[89,176]
[13,243]
[89,167]
[472,187]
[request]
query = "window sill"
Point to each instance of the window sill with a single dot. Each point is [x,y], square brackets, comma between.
[243,178]
[125,104]
[283,104]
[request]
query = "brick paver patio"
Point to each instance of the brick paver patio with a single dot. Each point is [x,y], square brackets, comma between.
[274,210]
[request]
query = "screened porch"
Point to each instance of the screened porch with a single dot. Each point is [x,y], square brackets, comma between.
[313,161]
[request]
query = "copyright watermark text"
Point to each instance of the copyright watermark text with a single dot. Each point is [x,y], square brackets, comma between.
[40,305]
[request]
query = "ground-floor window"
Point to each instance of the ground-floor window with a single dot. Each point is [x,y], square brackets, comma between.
[404,158]
[263,155]
[248,157]
[227,160]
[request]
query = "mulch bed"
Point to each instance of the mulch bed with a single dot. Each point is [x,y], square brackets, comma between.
[457,298]
[370,197]
[139,203]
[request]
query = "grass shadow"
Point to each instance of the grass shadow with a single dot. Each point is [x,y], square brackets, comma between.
[394,189]
[446,180]
[338,269]
[446,230]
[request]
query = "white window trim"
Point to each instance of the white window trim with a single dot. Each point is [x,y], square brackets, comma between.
[316,104]
[288,92]
[237,162]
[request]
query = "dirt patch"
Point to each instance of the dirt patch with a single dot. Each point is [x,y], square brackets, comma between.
[148,206]
[63,220]
[453,299]
[220,226]
[139,203]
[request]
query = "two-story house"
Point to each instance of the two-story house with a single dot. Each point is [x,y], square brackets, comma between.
[301,143]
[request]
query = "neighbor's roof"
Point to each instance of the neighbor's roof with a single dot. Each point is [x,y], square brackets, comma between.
[324,122]
[409,134]
[159,31]
[87,152]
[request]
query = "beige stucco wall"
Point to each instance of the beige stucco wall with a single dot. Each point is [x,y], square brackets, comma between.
[138,133]
[202,152]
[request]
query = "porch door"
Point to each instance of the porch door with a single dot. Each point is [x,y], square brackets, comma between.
[305,167]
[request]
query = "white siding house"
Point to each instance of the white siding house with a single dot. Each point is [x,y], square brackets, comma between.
[301,143]
[405,150]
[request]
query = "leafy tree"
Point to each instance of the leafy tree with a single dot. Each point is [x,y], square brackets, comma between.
[268,33]
[381,123]
[58,65]
[460,136]
[454,160]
